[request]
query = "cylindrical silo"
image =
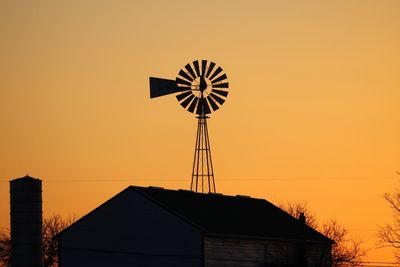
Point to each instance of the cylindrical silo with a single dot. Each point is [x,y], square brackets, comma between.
[26,222]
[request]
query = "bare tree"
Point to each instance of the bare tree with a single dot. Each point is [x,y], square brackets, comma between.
[5,247]
[296,208]
[51,227]
[389,234]
[347,251]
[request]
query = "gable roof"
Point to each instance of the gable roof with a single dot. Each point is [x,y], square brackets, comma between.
[231,215]
[224,215]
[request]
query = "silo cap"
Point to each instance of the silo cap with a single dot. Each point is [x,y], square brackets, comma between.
[26,178]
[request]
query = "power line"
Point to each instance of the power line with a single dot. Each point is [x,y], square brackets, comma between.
[223,180]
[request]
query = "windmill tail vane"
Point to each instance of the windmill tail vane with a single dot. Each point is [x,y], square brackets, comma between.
[201,88]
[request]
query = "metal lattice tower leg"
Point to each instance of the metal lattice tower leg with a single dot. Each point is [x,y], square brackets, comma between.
[203,172]
[201,88]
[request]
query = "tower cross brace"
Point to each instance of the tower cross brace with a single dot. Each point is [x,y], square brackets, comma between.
[203,171]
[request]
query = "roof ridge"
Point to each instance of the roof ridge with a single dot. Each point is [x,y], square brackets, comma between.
[165,207]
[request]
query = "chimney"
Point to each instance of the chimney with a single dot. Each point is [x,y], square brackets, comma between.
[302,218]
[26,222]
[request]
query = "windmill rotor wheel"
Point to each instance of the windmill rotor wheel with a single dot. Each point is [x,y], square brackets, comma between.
[203,87]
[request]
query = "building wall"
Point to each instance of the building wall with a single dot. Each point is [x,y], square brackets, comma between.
[130,230]
[232,252]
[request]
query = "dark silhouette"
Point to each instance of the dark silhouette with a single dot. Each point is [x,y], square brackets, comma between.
[346,251]
[26,221]
[202,89]
[51,227]
[158,227]
[389,234]
[5,247]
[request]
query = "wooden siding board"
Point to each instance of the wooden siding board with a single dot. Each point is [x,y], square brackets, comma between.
[257,252]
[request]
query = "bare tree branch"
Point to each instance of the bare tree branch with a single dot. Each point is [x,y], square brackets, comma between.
[389,234]
[346,252]
[5,247]
[295,208]
[51,227]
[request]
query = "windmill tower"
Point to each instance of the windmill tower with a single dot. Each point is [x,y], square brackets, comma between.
[201,89]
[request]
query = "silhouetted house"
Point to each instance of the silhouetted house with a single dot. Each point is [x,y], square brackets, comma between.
[158,227]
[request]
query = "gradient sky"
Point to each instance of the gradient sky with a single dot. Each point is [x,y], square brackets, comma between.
[313,112]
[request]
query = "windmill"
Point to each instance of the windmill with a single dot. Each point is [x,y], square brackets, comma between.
[201,88]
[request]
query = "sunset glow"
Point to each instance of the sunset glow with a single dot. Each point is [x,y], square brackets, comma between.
[313,112]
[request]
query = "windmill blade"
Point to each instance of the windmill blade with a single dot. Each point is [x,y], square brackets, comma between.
[185,88]
[207,109]
[190,70]
[212,65]
[185,75]
[221,85]
[199,110]
[212,103]
[183,95]
[182,81]
[161,87]
[220,78]
[197,67]
[205,106]
[220,92]
[217,71]
[193,105]
[203,67]
[186,102]
[217,98]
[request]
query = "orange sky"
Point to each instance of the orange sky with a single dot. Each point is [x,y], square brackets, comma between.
[313,112]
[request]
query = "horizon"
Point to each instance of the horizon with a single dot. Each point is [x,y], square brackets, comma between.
[312,114]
